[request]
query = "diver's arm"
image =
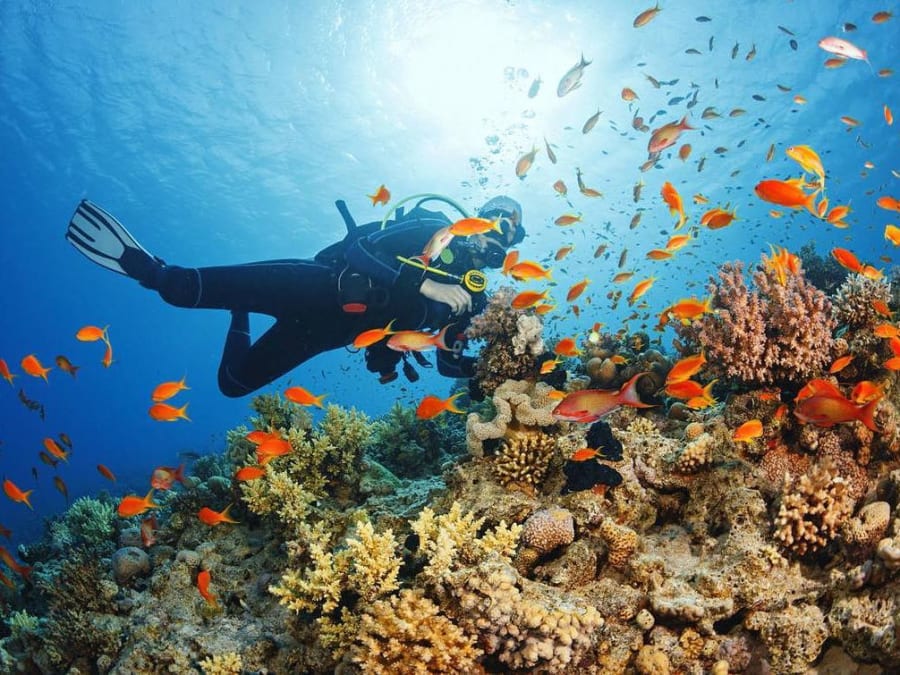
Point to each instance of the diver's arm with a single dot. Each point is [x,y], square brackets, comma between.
[376,255]
[454,295]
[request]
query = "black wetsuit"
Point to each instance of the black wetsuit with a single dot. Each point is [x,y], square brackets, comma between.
[308,298]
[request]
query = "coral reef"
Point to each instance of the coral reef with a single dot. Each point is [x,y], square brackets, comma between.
[773,334]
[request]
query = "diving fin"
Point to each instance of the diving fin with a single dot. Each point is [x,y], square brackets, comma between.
[104,240]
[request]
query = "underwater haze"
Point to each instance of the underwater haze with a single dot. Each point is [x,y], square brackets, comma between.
[223,132]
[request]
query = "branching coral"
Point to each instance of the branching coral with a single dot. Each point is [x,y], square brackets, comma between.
[229,663]
[87,521]
[513,341]
[812,509]
[408,634]
[776,333]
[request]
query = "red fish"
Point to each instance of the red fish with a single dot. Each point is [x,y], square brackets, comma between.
[132,505]
[5,373]
[787,194]
[13,492]
[203,579]
[431,406]
[249,473]
[212,518]
[828,410]
[164,477]
[583,454]
[589,405]
[302,396]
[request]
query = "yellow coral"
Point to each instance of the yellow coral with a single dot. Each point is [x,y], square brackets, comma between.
[696,455]
[621,541]
[523,459]
[229,663]
[408,634]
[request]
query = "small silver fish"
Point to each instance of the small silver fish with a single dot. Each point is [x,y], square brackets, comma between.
[591,121]
[550,154]
[572,79]
[535,87]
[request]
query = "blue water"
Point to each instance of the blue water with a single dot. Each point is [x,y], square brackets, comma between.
[223,132]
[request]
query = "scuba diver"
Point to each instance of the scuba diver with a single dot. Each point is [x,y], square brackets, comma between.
[374,276]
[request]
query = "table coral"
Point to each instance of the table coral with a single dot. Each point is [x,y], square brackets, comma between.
[775,333]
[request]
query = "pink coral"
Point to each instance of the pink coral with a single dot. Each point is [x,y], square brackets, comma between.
[772,334]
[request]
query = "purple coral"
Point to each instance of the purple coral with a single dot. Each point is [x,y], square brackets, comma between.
[772,334]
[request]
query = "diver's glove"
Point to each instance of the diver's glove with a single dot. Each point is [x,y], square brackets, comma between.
[453,295]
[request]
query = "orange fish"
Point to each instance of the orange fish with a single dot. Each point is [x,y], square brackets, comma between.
[249,473]
[659,254]
[646,16]
[684,389]
[628,94]
[888,203]
[164,477]
[431,406]
[686,368]
[640,288]
[566,347]
[132,505]
[107,356]
[684,152]
[418,341]
[718,218]
[886,330]
[881,17]
[589,405]
[471,226]
[583,455]
[561,188]
[866,391]
[689,309]
[800,100]
[881,307]
[272,448]
[369,337]
[54,449]
[212,518]
[828,410]
[13,492]
[786,194]
[667,135]
[567,219]
[382,196]
[543,308]
[509,262]
[700,199]
[673,200]
[577,289]
[840,363]
[66,366]
[91,333]
[525,161]
[891,233]
[748,431]
[527,299]
[622,276]
[166,390]
[258,436]
[835,62]
[677,241]
[106,473]
[33,367]
[562,252]
[847,259]
[4,372]
[850,121]
[62,487]
[203,579]
[13,564]
[528,270]
[163,412]
[301,396]
[870,272]
[549,365]
[888,115]
[892,363]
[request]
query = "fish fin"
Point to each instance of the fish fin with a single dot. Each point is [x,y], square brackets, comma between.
[866,415]
[628,394]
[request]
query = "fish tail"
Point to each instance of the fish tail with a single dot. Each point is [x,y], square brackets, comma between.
[628,394]
[148,500]
[451,403]
[26,499]
[683,124]
[317,401]
[182,412]
[440,340]
[866,415]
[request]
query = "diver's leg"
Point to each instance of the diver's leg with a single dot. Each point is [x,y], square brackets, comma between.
[276,287]
[245,367]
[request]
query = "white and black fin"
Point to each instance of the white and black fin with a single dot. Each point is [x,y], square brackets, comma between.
[98,235]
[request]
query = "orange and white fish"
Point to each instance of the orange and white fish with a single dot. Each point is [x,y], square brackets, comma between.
[203,579]
[674,202]
[132,505]
[561,188]
[748,431]
[302,396]
[17,495]
[436,245]
[369,337]
[418,341]
[572,79]
[32,366]
[667,135]
[91,333]
[212,518]
[164,477]
[167,390]
[5,372]
[382,196]
[431,406]
[163,412]
[841,47]
[589,405]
